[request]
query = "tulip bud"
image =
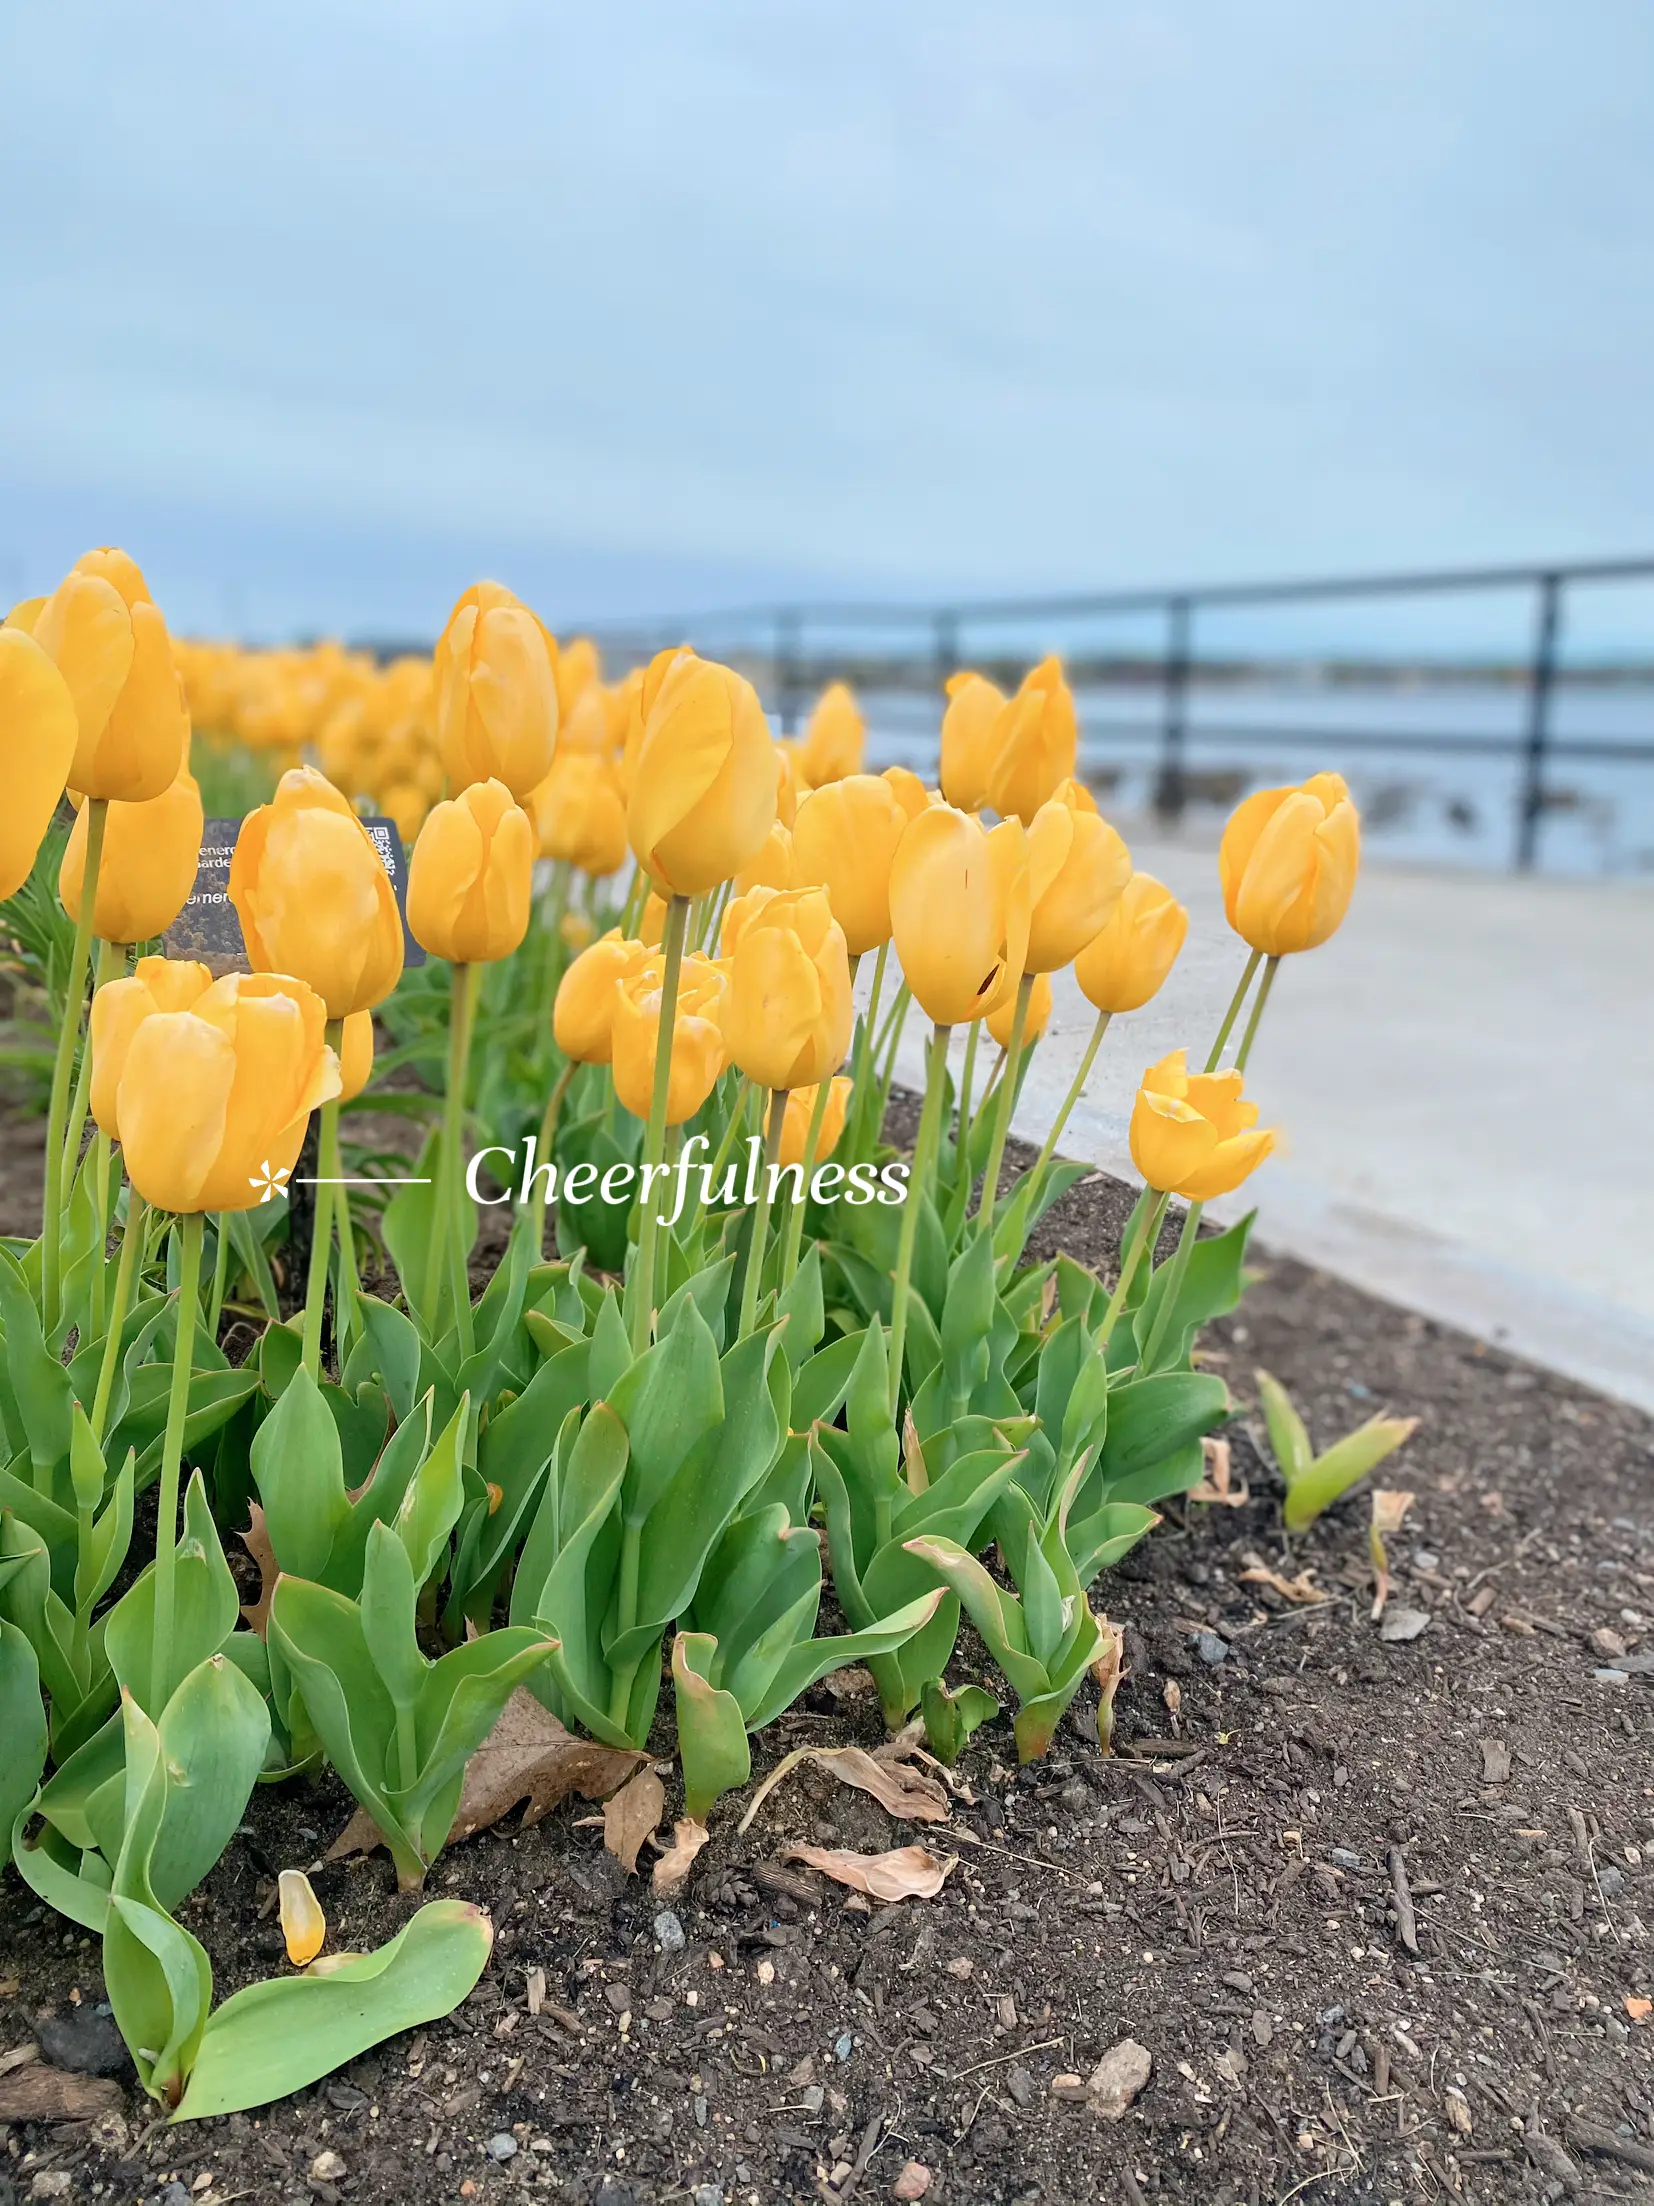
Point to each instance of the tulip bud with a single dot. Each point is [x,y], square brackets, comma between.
[959,910]
[37,715]
[313,896]
[1002,1017]
[150,856]
[471,880]
[110,644]
[697,1042]
[584,1015]
[795,1123]
[303,1924]
[495,671]
[775,865]
[835,740]
[355,1055]
[1194,1134]
[845,839]
[1288,862]
[579,813]
[584,724]
[119,1008]
[213,1102]
[788,1012]
[579,672]
[1124,964]
[968,726]
[1036,740]
[1077,867]
[704,787]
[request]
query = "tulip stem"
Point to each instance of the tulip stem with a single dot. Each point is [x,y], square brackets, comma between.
[924,1155]
[100,1201]
[795,1218]
[1147,1234]
[542,1154]
[654,1146]
[1007,1102]
[967,1080]
[172,1450]
[732,1133]
[1175,1272]
[1028,1193]
[315,1292]
[1233,1012]
[68,1033]
[761,1212]
[898,1013]
[220,1273]
[132,1242]
[466,980]
[102,969]
[1258,1002]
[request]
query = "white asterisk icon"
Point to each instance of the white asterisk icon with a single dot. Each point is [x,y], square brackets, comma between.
[272,1183]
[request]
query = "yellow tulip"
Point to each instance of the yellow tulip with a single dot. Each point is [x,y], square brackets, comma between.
[213,1102]
[1077,869]
[959,912]
[579,812]
[584,1015]
[405,805]
[495,671]
[110,644]
[471,878]
[651,928]
[579,670]
[1288,862]
[313,896]
[1003,1016]
[697,1042]
[788,1012]
[909,791]
[845,840]
[795,1123]
[120,1007]
[24,614]
[789,785]
[835,741]
[355,1055]
[1124,964]
[303,1925]
[774,865]
[584,723]
[1194,1134]
[150,855]
[1035,742]
[577,930]
[968,726]
[703,793]
[39,731]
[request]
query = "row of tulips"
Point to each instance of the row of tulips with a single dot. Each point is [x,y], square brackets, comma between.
[615,1461]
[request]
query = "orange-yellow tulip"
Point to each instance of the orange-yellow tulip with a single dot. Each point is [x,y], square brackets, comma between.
[213,1102]
[774,865]
[471,878]
[313,896]
[584,1016]
[788,1012]
[1077,868]
[1124,965]
[495,671]
[579,671]
[959,912]
[697,1042]
[355,1055]
[835,741]
[120,1007]
[1194,1134]
[968,728]
[795,1123]
[150,855]
[704,784]
[845,839]
[1288,862]
[1035,742]
[789,785]
[38,730]
[111,646]
[1003,1016]
[579,812]
[910,792]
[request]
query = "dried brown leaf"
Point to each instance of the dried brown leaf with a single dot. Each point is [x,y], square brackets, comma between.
[256,1540]
[1301,1590]
[899,1789]
[673,1867]
[907,1873]
[1215,1489]
[631,1815]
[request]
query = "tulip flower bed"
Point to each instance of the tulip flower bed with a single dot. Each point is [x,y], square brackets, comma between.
[748,1400]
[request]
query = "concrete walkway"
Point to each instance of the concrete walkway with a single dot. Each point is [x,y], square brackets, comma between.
[1464,1078]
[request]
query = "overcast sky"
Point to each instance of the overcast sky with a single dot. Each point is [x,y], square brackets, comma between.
[324,308]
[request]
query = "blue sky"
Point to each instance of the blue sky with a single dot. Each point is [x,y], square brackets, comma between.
[324,309]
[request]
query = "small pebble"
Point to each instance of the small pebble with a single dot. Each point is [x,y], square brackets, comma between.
[1611,1879]
[814,2098]
[327,2167]
[1342,1858]
[1211,1649]
[708,2194]
[502,2147]
[669,1932]
[844,2047]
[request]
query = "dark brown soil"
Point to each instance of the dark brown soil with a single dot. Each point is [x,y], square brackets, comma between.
[1227,1900]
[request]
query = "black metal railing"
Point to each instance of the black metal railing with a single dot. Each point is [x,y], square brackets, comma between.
[791,650]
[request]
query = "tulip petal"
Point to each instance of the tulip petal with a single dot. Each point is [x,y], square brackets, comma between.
[39,729]
[172,1105]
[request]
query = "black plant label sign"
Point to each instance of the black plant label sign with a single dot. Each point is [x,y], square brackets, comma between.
[208,928]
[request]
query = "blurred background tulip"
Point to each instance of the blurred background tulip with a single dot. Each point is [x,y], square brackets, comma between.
[471,878]
[1036,1018]
[495,673]
[579,812]
[38,734]
[355,1055]
[835,739]
[150,856]
[968,726]
[313,896]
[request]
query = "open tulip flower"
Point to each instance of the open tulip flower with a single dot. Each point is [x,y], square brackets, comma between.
[313,896]
[150,855]
[835,741]
[697,1048]
[1288,862]
[471,879]
[845,840]
[1078,868]
[787,1012]
[1126,962]
[704,783]
[1194,1134]
[969,725]
[37,715]
[1035,742]
[579,810]
[495,671]
[583,1019]
[110,644]
[959,909]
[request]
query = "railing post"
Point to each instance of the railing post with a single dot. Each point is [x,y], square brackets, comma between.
[789,644]
[1169,792]
[1547,633]
[947,644]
